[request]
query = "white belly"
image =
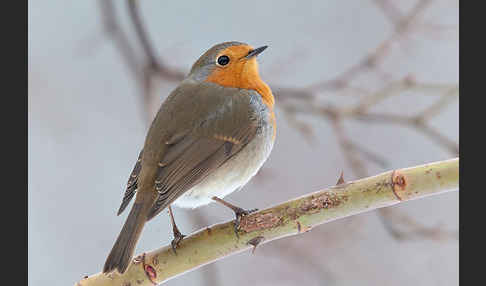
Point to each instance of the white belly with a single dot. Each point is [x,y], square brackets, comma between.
[231,176]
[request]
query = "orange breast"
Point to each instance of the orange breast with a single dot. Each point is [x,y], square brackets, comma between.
[239,76]
[243,74]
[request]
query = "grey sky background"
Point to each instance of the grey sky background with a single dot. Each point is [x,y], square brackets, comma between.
[86,127]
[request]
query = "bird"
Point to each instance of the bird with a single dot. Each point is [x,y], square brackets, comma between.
[209,137]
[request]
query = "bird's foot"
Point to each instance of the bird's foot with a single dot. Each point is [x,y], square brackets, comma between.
[240,213]
[178,237]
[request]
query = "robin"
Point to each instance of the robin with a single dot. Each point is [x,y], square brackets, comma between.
[209,138]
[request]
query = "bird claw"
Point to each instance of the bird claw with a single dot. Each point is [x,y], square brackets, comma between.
[239,212]
[178,237]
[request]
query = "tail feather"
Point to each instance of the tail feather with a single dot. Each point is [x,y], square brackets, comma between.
[124,247]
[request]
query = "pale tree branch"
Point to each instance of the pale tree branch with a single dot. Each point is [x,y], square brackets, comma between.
[290,218]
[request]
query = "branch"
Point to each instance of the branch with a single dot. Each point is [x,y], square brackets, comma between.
[114,31]
[371,61]
[289,218]
[153,64]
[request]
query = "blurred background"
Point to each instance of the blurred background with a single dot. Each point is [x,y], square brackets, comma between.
[361,87]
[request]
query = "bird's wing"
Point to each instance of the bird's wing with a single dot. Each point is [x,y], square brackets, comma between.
[222,130]
[131,185]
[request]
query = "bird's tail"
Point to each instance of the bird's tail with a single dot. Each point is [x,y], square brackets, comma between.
[122,251]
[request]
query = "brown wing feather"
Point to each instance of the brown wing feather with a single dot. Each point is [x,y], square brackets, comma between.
[131,184]
[218,121]
[196,161]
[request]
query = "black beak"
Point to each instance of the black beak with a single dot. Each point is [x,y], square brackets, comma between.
[255,52]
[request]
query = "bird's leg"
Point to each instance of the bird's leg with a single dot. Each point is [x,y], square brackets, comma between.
[178,236]
[239,212]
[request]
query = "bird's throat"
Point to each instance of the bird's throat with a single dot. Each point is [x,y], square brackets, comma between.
[243,75]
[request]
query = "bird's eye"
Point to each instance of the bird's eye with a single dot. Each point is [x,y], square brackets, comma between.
[223,60]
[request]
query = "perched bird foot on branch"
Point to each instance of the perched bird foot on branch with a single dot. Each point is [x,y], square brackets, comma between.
[239,213]
[178,236]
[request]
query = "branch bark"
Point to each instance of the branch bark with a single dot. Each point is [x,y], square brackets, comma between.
[293,217]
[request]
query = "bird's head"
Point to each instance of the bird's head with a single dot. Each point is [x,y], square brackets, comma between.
[232,64]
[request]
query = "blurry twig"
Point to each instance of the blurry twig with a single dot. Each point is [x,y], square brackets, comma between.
[153,67]
[145,67]
[153,64]
[402,25]
[113,30]
[415,230]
